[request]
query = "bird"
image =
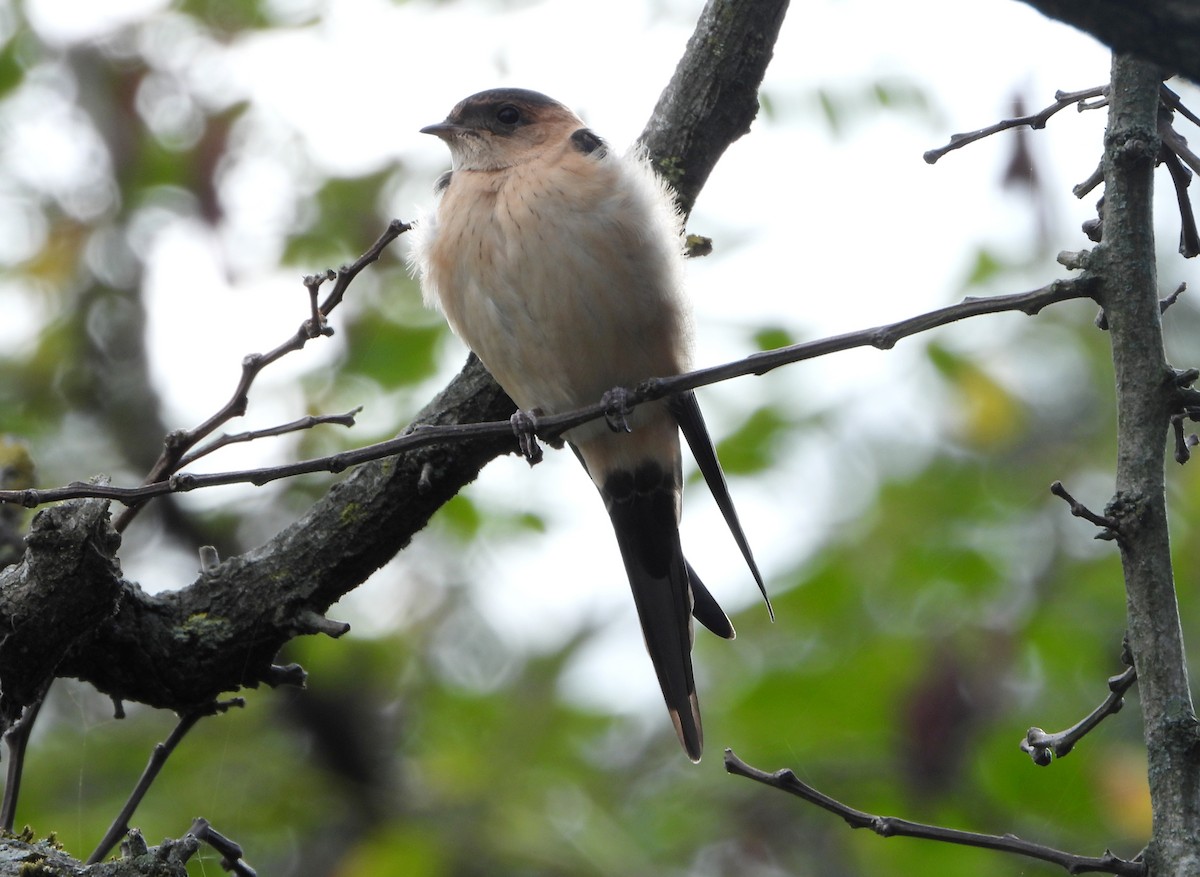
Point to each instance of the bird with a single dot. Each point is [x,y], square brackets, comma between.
[559,262]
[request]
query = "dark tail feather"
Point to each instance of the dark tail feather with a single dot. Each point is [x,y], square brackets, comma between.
[686,411]
[706,610]
[642,507]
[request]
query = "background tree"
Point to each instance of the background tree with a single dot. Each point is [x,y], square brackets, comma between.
[917,647]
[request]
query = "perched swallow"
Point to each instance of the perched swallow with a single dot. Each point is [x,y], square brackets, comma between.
[559,263]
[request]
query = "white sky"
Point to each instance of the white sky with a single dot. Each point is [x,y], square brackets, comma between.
[816,233]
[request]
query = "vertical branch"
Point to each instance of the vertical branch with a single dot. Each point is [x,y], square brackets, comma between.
[1145,389]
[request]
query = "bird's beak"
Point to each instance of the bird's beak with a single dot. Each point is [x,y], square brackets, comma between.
[444,130]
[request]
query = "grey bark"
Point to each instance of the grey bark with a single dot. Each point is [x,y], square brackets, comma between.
[1147,395]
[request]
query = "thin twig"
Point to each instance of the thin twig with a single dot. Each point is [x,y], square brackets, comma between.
[1173,152]
[158,758]
[890,826]
[1171,99]
[16,738]
[1165,303]
[1062,100]
[1107,524]
[297,425]
[231,851]
[1043,747]
[1178,144]
[551,428]
[316,324]
[178,443]
[1094,180]
[1183,443]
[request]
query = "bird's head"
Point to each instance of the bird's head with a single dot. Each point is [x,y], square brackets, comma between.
[503,127]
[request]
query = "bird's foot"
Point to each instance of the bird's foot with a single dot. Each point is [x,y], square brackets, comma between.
[524,426]
[617,409]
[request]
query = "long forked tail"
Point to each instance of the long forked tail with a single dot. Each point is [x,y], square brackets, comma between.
[642,505]
[686,411]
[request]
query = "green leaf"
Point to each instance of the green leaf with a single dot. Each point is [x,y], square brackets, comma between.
[772,337]
[751,448]
[346,222]
[393,354]
[12,71]
[987,266]
[462,517]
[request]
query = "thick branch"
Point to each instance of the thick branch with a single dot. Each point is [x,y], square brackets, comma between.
[67,585]
[1146,388]
[1166,32]
[234,618]
[713,96]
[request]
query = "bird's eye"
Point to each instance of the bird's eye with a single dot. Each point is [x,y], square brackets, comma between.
[508,115]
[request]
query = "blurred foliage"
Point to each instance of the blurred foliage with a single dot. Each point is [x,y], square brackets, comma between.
[841,107]
[910,655]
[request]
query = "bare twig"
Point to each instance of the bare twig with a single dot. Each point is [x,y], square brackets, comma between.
[1165,303]
[1043,747]
[297,425]
[231,852]
[1093,180]
[316,324]
[158,758]
[1171,99]
[16,738]
[1178,145]
[1107,524]
[178,443]
[1062,100]
[1183,443]
[550,428]
[890,826]
[1181,178]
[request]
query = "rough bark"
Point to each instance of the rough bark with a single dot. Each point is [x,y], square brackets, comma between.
[1146,395]
[713,95]
[181,649]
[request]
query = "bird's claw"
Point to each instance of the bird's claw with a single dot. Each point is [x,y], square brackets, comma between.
[524,426]
[617,409]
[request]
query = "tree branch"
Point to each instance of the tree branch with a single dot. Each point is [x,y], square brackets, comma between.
[180,650]
[1146,398]
[1166,32]
[890,826]
[178,443]
[67,586]
[158,758]
[713,96]
[1043,747]
[1062,100]
[550,429]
